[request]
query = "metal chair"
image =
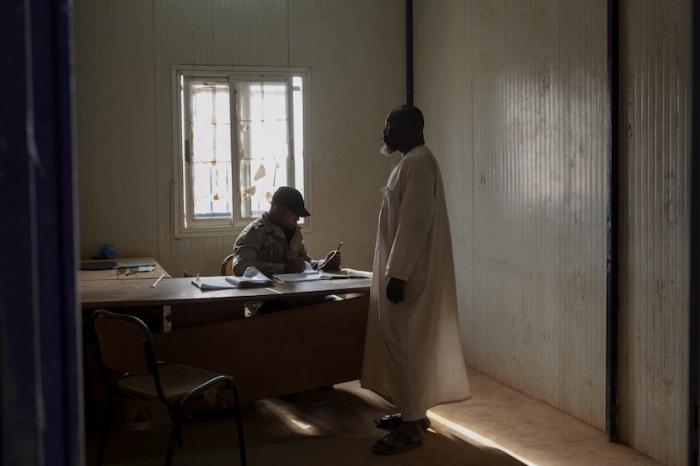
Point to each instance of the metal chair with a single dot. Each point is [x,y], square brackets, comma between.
[227,265]
[125,348]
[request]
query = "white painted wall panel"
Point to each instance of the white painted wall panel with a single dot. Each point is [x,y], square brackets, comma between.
[115,126]
[356,54]
[443,92]
[204,32]
[516,103]
[654,240]
[354,50]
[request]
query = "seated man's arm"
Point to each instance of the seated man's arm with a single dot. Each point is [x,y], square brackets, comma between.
[334,264]
[245,254]
[304,255]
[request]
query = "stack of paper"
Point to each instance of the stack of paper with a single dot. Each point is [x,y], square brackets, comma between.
[212,283]
[252,277]
[299,277]
[308,274]
[348,273]
[308,268]
[311,275]
[133,264]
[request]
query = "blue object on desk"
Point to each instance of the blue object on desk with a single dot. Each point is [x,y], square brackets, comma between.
[108,251]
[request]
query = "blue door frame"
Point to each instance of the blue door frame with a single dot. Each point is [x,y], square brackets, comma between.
[40,352]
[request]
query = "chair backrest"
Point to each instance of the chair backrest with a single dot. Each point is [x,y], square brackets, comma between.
[124,343]
[227,265]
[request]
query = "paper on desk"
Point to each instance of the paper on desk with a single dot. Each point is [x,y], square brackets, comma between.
[349,273]
[303,277]
[300,277]
[251,277]
[308,268]
[309,274]
[212,283]
[133,264]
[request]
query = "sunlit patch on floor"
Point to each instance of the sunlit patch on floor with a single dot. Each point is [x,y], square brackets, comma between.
[470,436]
[292,418]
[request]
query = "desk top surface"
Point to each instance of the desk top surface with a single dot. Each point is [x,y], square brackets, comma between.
[125,293]
[123,273]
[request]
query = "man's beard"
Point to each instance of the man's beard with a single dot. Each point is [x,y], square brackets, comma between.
[386,150]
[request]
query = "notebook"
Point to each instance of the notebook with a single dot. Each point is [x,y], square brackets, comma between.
[251,278]
[212,283]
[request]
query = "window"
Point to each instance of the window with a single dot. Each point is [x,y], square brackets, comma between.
[239,137]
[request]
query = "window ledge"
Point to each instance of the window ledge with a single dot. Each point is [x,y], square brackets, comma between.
[229,231]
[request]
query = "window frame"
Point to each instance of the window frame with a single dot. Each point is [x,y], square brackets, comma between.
[186,225]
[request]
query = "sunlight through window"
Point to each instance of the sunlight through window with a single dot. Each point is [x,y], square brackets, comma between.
[241,137]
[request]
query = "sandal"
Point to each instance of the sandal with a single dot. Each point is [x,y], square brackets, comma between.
[393,421]
[395,442]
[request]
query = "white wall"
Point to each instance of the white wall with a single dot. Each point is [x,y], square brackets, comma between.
[516,105]
[655,214]
[125,50]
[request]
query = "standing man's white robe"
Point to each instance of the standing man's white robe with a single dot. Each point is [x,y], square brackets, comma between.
[413,356]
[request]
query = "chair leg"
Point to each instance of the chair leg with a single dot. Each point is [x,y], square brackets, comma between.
[178,437]
[239,424]
[172,440]
[178,432]
[180,441]
[106,419]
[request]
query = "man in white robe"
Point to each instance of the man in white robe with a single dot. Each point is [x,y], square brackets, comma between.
[413,356]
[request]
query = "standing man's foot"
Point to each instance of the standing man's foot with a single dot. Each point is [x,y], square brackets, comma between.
[393,421]
[407,437]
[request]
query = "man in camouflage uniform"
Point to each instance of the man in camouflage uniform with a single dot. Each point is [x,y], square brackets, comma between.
[274,243]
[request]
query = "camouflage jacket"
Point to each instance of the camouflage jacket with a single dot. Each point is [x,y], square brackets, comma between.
[263,245]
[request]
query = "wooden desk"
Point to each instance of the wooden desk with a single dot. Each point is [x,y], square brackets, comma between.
[282,352]
[127,293]
[121,274]
[269,355]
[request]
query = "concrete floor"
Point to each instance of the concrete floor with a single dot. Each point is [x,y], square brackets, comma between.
[528,430]
[498,426]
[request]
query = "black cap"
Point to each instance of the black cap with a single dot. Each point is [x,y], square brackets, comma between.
[292,198]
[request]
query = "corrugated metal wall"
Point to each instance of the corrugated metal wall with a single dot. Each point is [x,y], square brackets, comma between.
[655,196]
[515,96]
[124,53]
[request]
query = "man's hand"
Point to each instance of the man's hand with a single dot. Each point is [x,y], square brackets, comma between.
[396,290]
[331,261]
[295,265]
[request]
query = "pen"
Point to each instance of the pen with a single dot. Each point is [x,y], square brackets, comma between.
[155,283]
